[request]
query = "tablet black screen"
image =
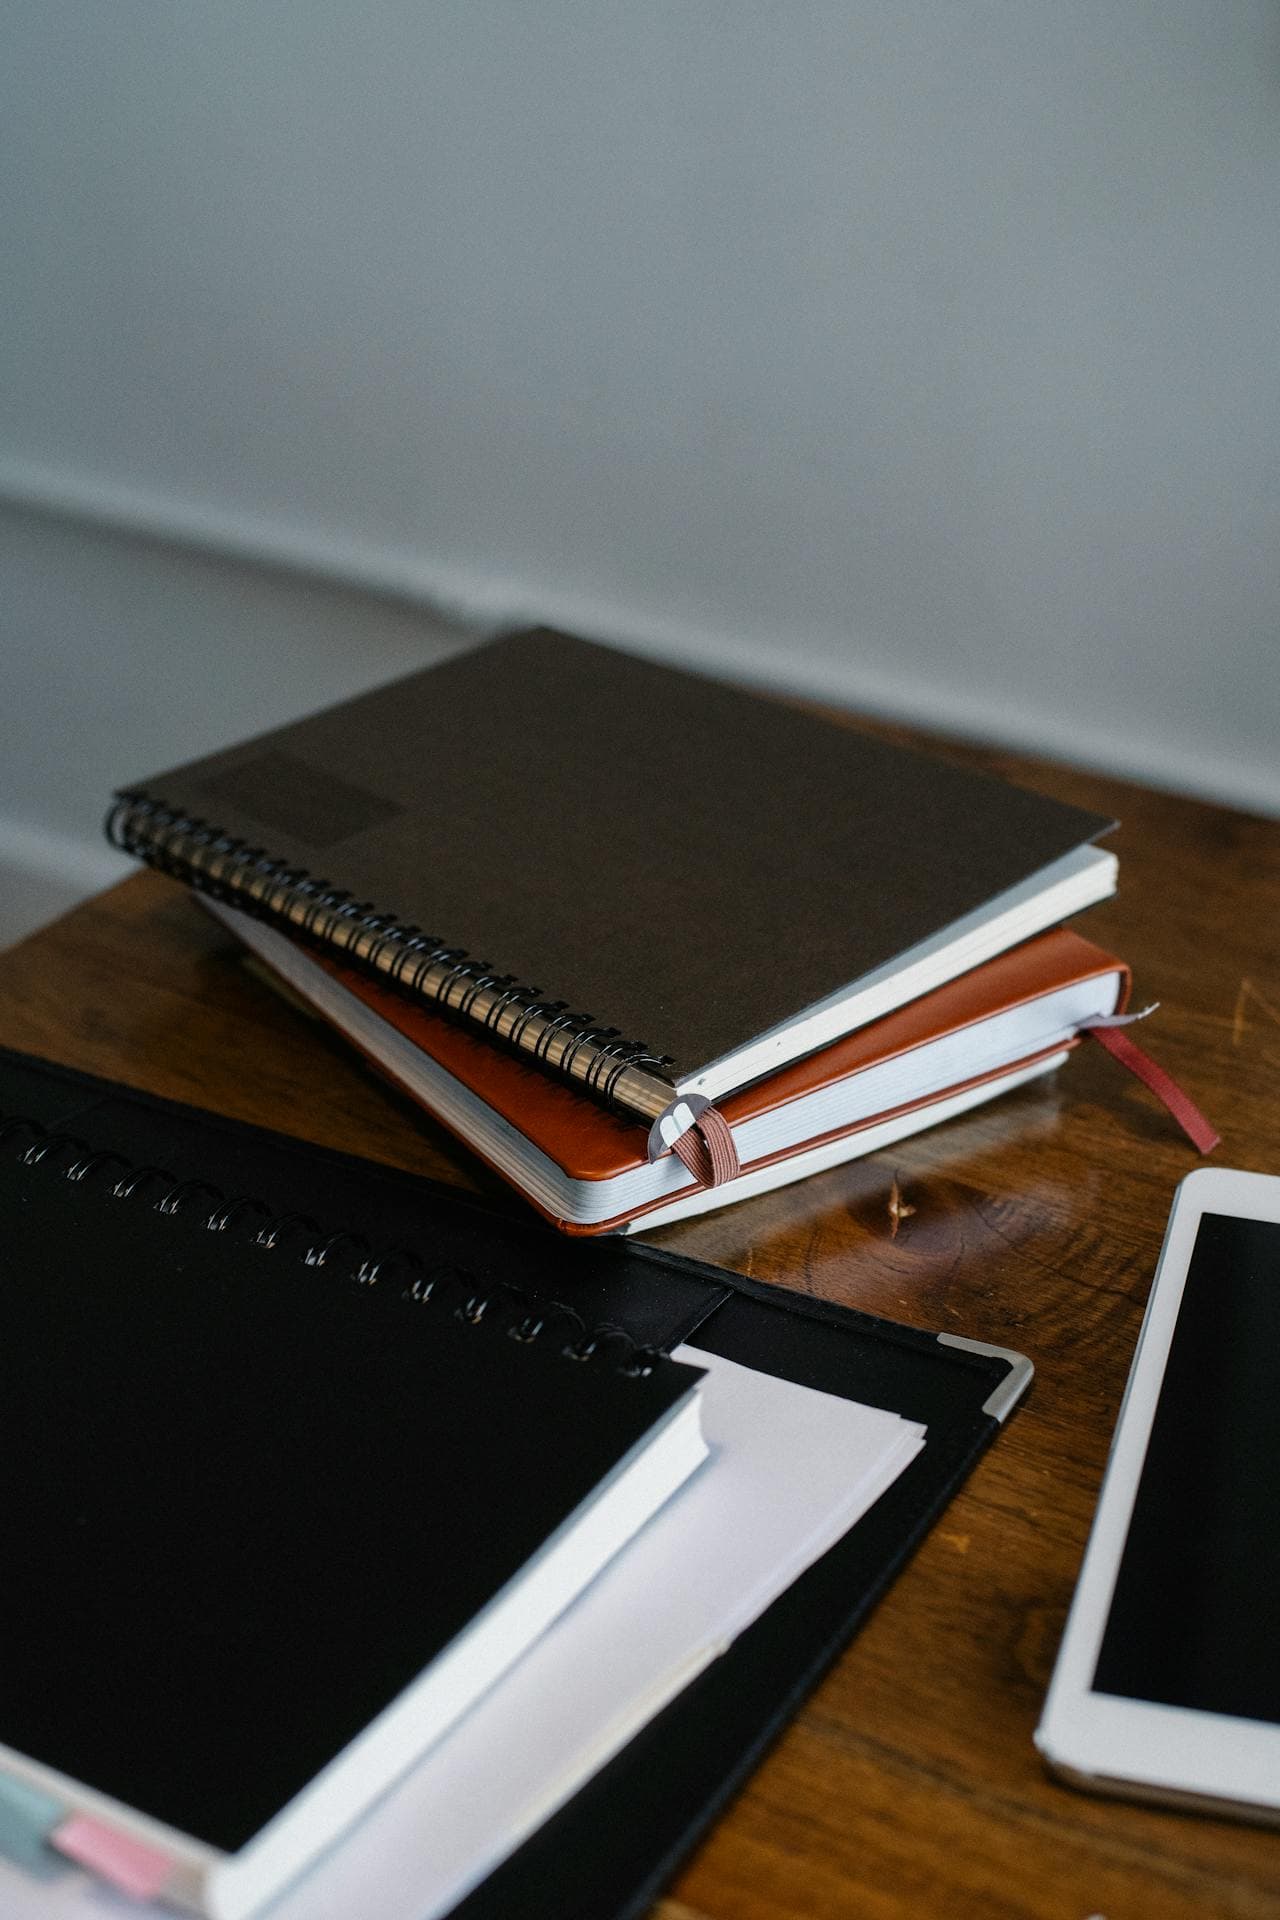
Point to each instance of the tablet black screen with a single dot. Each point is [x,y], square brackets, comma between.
[1195,1618]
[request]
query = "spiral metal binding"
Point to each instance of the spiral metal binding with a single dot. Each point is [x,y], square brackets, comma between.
[623,1073]
[525,1317]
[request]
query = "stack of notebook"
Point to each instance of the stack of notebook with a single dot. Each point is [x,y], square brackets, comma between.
[647,943]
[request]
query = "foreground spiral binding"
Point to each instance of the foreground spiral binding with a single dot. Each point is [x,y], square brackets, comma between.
[622,1072]
[523,1316]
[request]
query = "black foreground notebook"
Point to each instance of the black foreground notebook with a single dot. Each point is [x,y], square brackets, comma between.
[656,884]
[267,1524]
[608,1852]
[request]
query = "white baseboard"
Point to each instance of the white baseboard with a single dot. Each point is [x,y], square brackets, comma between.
[826,667]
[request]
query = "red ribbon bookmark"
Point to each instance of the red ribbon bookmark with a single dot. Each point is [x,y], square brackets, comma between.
[1166,1089]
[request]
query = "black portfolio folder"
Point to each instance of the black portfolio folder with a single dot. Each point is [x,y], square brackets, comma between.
[608,1852]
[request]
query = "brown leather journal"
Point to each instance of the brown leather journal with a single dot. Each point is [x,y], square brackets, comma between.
[588,1169]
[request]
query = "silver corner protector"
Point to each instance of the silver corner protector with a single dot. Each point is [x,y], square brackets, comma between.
[1001,1402]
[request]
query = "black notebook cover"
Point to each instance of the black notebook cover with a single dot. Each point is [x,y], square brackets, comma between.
[246,1501]
[607,1854]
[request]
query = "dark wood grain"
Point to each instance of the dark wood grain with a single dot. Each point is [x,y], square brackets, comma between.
[909,1785]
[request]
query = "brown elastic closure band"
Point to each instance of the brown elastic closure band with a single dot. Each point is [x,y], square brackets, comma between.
[708,1151]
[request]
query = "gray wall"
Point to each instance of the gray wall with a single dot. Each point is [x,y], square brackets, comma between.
[921,353]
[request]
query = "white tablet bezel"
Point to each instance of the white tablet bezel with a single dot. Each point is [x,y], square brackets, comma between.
[1141,1747]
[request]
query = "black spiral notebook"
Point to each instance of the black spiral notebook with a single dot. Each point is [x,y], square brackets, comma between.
[637,851]
[606,1854]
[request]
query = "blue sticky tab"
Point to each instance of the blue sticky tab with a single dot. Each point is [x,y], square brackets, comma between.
[27,1817]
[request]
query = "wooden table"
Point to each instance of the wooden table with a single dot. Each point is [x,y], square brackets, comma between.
[909,1785]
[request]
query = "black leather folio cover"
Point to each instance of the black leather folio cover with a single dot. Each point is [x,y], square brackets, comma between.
[608,1853]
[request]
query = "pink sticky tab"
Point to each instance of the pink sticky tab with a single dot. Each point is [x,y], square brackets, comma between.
[125,1863]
